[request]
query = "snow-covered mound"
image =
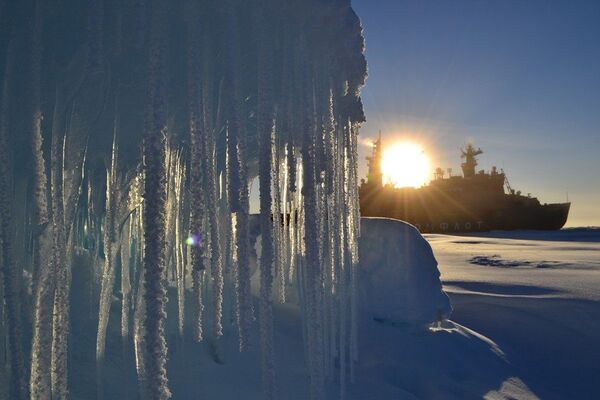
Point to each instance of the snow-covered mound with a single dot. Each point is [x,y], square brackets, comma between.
[400,291]
[399,280]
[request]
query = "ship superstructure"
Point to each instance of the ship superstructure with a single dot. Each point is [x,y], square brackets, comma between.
[475,201]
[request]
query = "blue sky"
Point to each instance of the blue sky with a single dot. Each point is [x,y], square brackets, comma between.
[520,79]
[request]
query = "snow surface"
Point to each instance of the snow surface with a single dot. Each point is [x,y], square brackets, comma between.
[399,280]
[537,296]
[400,355]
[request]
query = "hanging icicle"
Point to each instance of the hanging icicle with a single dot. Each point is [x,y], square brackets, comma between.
[126,244]
[245,313]
[154,214]
[111,243]
[197,200]
[265,129]
[60,321]
[210,118]
[273,92]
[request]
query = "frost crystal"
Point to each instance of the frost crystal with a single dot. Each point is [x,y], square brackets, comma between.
[144,133]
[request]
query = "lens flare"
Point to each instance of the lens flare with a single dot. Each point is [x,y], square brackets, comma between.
[193,240]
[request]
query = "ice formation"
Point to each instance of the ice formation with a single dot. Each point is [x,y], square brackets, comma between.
[407,290]
[129,138]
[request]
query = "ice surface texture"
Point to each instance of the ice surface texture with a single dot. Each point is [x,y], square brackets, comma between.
[129,127]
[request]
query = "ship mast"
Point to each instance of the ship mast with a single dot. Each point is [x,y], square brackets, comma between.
[375,176]
[470,163]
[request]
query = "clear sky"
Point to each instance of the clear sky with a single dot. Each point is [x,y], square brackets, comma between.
[520,79]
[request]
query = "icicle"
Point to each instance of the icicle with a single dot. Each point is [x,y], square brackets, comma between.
[313,266]
[276,213]
[244,296]
[216,264]
[139,335]
[154,213]
[60,321]
[38,158]
[139,314]
[287,220]
[174,228]
[227,243]
[294,212]
[265,127]
[237,175]
[343,307]
[40,384]
[43,279]
[355,215]
[332,225]
[110,256]
[197,198]
[310,224]
[179,243]
[125,280]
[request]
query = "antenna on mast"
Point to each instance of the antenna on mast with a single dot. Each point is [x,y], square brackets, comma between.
[374,164]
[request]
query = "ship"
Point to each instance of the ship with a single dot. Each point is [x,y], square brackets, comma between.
[477,201]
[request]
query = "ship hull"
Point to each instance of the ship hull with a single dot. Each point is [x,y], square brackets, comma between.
[543,217]
[439,213]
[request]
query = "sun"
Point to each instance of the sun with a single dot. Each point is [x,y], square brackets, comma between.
[405,164]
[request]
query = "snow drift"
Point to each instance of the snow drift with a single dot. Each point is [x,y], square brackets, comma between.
[398,276]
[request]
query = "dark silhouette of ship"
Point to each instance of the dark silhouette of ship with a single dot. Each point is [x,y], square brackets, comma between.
[476,201]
